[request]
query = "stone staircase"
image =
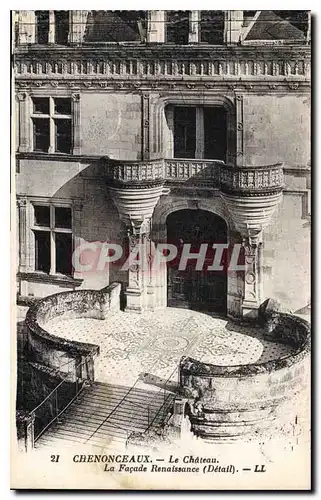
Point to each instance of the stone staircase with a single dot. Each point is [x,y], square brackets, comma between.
[106,414]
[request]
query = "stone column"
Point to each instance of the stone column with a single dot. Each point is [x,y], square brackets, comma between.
[194,26]
[26,26]
[156,26]
[252,298]
[138,273]
[233,26]
[78,21]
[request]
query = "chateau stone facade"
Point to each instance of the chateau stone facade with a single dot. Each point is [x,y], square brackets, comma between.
[125,117]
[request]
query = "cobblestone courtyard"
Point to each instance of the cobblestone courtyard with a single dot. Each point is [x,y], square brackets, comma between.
[150,345]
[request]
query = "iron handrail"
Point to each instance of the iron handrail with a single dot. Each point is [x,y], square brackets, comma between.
[161,408]
[113,410]
[61,382]
[55,392]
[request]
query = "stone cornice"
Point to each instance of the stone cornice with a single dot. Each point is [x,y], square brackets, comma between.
[161,50]
[270,85]
[162,64]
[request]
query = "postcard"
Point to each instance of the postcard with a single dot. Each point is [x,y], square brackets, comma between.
[161,227]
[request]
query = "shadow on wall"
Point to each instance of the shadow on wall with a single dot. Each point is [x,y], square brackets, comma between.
[95,220]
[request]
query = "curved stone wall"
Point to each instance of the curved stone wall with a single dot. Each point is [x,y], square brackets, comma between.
[227,401]
[55,352]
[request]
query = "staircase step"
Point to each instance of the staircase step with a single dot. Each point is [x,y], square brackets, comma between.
[104,414]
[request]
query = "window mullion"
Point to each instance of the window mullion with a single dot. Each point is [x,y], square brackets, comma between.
[51,37]
[52,241]
[52,127]
[52,253]
[194,26]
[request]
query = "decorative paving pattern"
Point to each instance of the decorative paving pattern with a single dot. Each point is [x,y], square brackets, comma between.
[152,343]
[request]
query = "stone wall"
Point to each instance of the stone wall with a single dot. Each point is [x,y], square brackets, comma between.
[286,254]
[61,354]
[225,401]
[276,129]
[111,125]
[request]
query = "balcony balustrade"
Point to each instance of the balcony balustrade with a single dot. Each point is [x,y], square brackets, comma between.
[227,66]
[208,173]
[157,62]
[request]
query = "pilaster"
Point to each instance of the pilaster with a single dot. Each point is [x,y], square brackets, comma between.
[75,98]
[138,238]
[252,298]
[22,220]
[145,126]
[23,122]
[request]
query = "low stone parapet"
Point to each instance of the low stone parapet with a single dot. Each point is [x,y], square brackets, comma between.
[227,401]
[61,354]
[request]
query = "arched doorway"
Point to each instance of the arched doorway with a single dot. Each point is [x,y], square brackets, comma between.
[187,286]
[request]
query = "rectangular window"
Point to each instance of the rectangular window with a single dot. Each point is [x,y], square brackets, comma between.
[42,250]
[200,132]
[212,27]
[215,135]
[42,26]
[62,106]
[52,124]
[63,217]
[61,26]
[177,26]
[41,134]
[184,132]
[63,135]
[42,216]
[41,105]
[52,230]
[63,243]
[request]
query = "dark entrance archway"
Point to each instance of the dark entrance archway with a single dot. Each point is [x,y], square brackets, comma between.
[189,287]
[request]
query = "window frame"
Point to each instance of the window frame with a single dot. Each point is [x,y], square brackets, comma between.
[52,116]
[53,230]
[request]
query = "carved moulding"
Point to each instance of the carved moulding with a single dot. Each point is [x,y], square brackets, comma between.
[198,84]
[135,204]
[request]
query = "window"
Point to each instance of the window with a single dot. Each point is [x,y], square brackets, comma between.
[177,26]
[52,124]
[212,26]
[42,26]
[61,26]
[52,26]
[52,230]
[200,132]
[184,132]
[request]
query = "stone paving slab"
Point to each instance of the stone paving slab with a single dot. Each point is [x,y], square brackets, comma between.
[150,345]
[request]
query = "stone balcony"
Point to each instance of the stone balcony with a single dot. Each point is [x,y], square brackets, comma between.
[213,174]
